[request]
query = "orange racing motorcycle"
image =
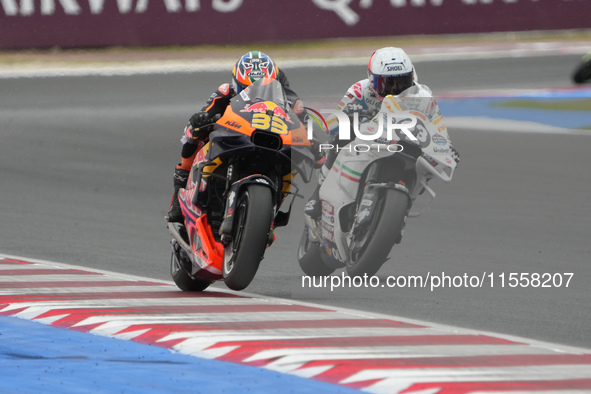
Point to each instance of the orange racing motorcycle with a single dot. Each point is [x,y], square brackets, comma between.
[236,187]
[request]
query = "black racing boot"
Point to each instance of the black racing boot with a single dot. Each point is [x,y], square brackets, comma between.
[175,215]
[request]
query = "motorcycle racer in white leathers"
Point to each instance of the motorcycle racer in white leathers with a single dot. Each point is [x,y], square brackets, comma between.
[390,72]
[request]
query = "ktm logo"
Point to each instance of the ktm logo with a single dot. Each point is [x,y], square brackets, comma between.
[233,124]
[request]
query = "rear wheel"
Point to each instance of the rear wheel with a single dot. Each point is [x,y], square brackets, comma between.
[183,280]
[309,257]
[252,223]
[371,243]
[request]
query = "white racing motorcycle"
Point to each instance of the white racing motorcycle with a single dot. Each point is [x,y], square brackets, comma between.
[372,186]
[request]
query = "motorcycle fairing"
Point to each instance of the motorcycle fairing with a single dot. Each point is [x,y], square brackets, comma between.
[209,254]
[329,248]
[205,252]
[264,106]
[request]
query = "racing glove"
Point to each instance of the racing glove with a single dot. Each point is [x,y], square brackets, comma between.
[202,124]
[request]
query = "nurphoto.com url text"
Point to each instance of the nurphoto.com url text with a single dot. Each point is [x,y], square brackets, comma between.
[442,280]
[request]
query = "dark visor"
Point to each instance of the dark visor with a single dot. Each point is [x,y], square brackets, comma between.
[393,85]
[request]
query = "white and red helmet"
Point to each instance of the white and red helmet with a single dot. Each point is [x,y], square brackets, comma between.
[390,72]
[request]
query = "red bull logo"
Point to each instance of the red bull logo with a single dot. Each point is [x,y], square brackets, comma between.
[257,107]
[280,112]
[265,106]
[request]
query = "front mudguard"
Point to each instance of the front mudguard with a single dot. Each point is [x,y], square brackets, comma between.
[369,197]
[235,190]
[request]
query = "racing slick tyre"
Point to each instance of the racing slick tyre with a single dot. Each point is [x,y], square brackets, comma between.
[181,277]
[252,223]
[371,243]
[309,257]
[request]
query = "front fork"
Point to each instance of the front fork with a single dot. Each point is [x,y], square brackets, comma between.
[232,197]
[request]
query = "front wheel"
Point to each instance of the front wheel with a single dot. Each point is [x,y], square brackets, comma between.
[371,243]
[252,223]
[310,257]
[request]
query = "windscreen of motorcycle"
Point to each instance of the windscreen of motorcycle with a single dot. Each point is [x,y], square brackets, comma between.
[263,106]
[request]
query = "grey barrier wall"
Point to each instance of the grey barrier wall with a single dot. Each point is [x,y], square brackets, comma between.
[98,23]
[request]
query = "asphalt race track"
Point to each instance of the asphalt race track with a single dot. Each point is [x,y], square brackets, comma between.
[86,177]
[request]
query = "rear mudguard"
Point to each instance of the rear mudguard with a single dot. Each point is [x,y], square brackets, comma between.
[234,192]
